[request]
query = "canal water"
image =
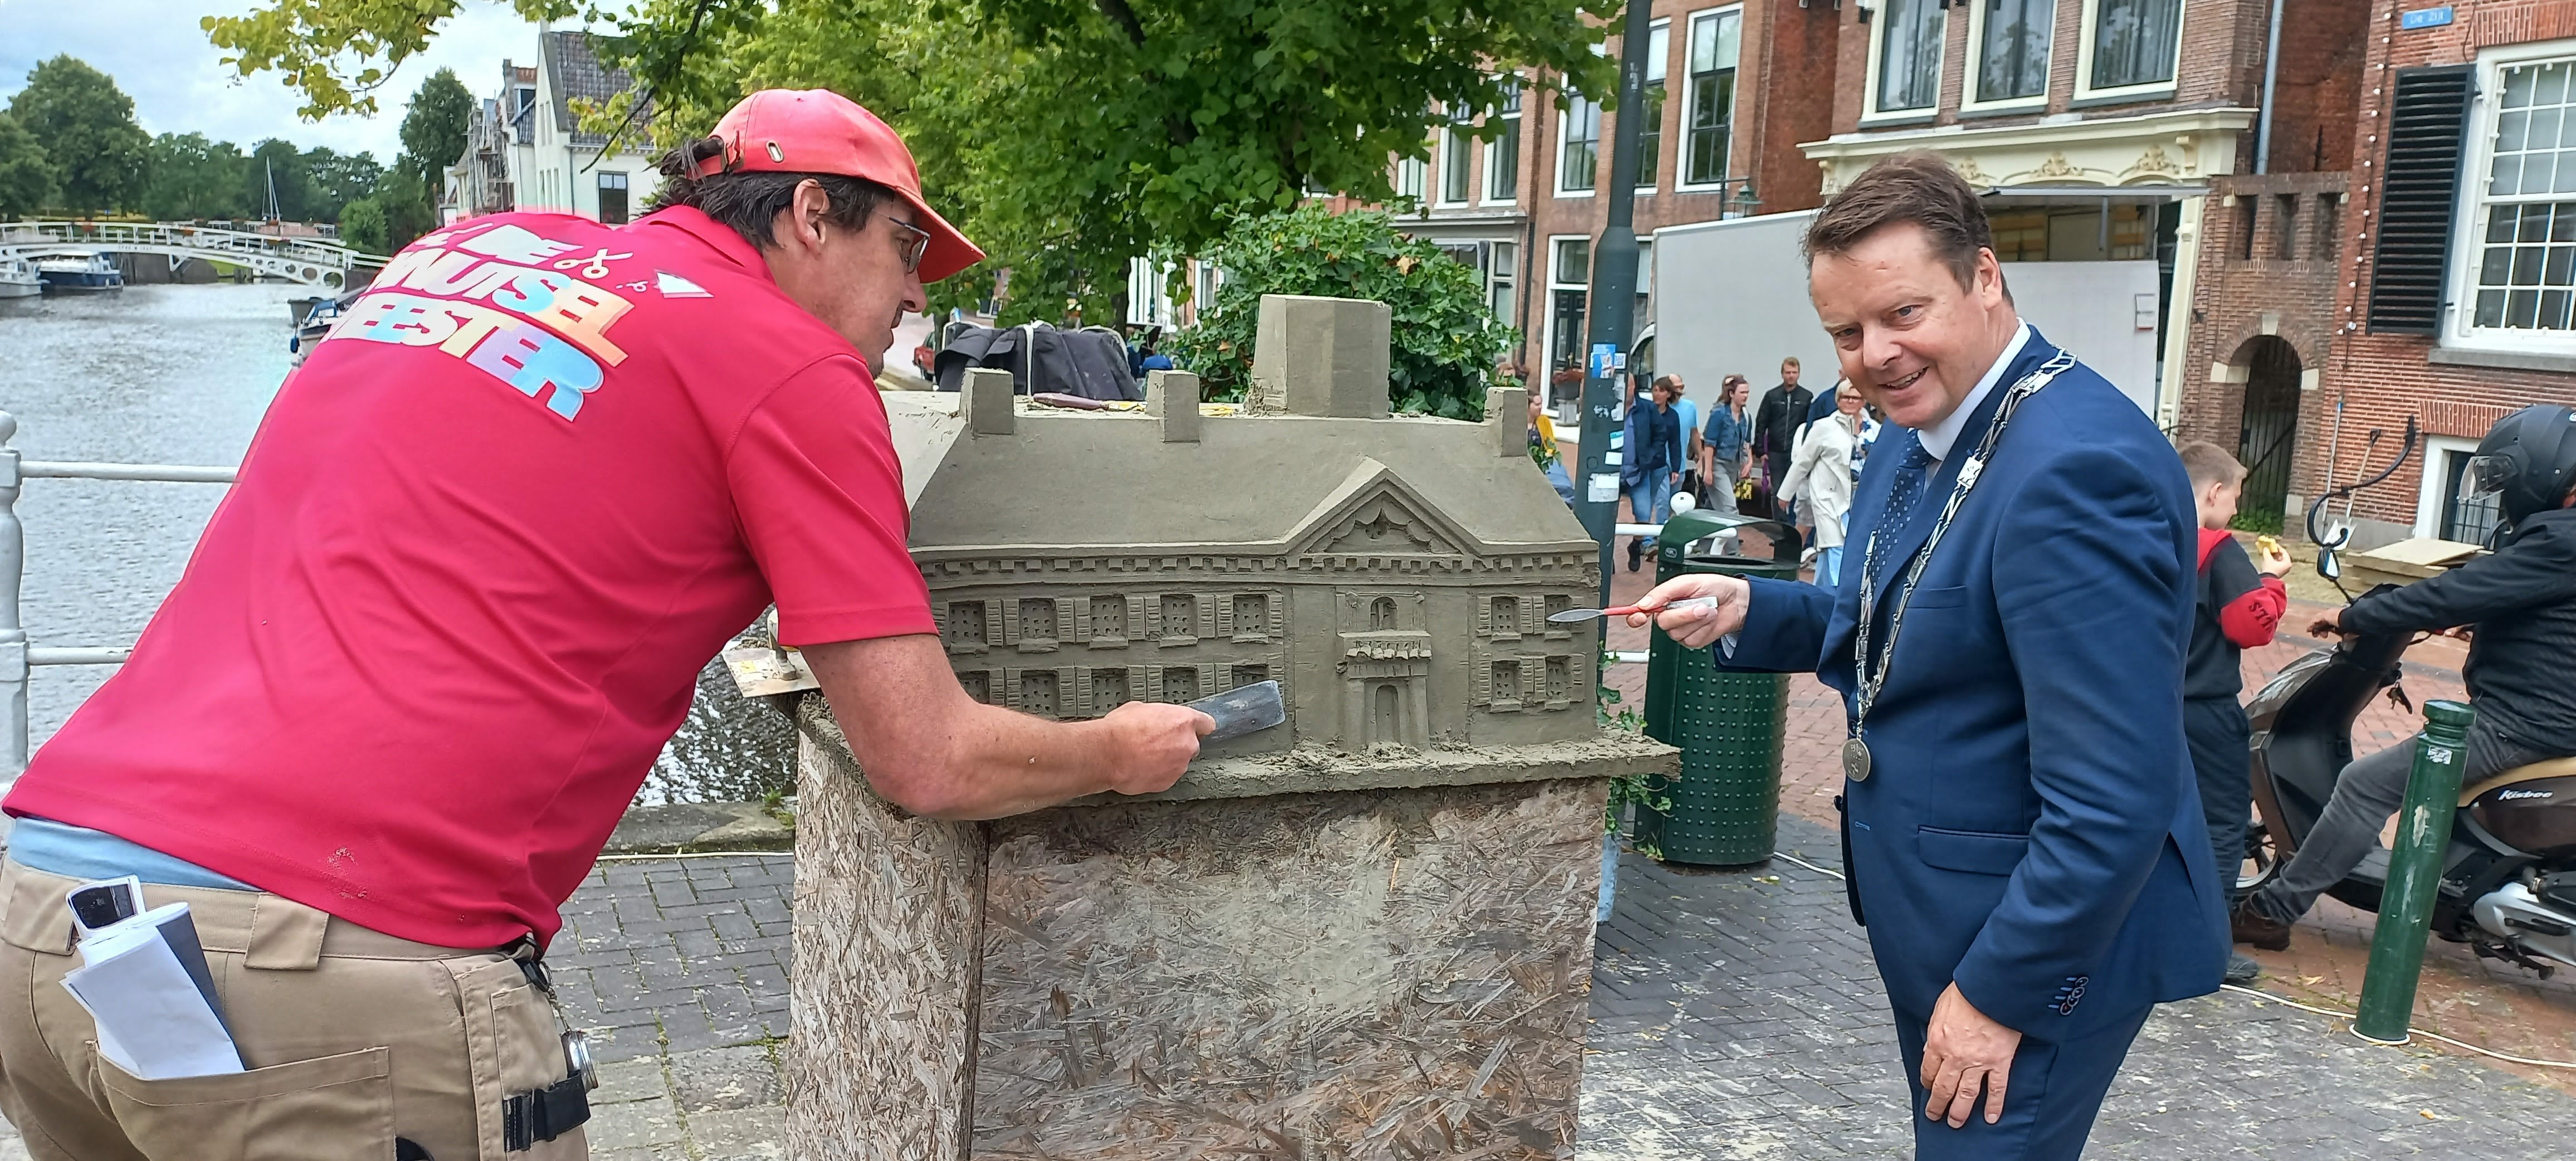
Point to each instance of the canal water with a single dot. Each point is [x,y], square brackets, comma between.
[181,375]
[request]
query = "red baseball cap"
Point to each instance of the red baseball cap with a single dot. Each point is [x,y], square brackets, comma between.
[820,131]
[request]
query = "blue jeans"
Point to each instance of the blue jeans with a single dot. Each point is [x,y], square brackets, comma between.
[1829,567]
[1557,479]
[1650,501]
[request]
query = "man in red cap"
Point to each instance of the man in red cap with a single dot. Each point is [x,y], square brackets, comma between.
[429,645]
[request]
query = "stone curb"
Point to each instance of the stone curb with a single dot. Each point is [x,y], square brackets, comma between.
[687,827]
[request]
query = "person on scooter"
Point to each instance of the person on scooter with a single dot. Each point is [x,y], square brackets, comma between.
[2238,606]
[2521,605]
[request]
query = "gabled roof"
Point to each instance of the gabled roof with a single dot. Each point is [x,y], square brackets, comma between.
[1270,485]
[573,72]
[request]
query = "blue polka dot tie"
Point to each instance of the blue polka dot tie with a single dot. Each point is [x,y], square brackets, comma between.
[1908,488]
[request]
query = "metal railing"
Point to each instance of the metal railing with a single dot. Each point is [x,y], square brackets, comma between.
[312,261]
[18,657]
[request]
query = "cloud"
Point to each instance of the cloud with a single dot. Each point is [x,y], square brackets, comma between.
[161,58]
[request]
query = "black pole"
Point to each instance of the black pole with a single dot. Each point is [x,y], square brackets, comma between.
[1614,300]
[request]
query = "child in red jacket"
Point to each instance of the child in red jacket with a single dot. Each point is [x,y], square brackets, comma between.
[2240,604]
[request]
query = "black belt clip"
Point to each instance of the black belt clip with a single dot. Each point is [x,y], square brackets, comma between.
[544,1114]
[532,963]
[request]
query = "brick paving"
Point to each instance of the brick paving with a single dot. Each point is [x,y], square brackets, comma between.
[1735,1015]
[2494,1005]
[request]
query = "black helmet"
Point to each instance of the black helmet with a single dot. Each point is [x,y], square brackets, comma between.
[2528,459]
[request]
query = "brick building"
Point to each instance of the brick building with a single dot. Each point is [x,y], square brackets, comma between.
[2099,125]
[1733,87]
[2453,268]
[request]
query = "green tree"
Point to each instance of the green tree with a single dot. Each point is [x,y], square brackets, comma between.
[434,126]
[85,125]
[339,179]
[362,225]
[278,164]
[27,182]
[192,177]
[409,207]
[1065,135]
[1446,340]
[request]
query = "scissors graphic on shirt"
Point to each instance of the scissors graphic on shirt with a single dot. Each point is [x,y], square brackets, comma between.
[597,263]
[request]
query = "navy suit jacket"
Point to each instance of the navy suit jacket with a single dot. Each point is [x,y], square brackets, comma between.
[2030,828]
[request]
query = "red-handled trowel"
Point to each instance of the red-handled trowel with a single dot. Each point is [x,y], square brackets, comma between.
[1242,710]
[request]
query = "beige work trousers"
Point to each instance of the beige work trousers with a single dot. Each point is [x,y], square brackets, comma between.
[352,1038]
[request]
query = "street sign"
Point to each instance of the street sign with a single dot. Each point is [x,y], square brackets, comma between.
[2425,18]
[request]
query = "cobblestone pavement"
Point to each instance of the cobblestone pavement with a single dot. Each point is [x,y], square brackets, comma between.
[2484,1002]
[1736,1014]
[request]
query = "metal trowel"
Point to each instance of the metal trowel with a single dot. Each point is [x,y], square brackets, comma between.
[1242,710]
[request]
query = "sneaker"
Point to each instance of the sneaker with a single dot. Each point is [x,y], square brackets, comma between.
[1636,554]
[2241,969]
[2255,929]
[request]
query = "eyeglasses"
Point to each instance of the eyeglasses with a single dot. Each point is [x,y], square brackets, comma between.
[913,242]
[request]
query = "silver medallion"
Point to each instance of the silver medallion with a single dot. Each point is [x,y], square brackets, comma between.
[1856,760]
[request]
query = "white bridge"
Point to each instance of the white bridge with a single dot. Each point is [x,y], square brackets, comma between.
[311,261]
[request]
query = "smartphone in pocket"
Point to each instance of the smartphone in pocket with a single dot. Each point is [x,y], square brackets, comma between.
[103,903]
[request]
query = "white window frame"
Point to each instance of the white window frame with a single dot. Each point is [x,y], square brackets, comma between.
[2084,88]
[1556,158]
[1451,138]
[1485,174]
[1871,114]
[1547,355]
[1690,101]
[1419,171]
[1658,72]
[2428,487]
[1149,294]
[2469,214]
[1976,62]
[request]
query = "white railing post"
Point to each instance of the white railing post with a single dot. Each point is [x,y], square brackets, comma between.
[13,634]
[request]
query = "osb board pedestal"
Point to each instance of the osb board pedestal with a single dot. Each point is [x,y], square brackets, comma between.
[1355,971]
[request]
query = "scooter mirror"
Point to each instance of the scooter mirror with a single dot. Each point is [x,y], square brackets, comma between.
[2329,565]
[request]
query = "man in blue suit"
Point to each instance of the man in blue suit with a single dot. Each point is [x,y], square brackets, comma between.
[2025,840]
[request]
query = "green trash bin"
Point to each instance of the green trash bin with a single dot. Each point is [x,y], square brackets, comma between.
[1724,810]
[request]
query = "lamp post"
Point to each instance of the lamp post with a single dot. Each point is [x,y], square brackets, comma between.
[1614,302]
[1744,201]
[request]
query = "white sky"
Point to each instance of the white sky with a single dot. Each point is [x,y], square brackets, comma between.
[160,58]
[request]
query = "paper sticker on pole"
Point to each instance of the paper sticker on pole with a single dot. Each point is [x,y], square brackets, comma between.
[1603,488]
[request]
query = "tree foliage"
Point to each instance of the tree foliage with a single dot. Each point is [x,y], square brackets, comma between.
[434,126]
[26,177]
[362,226]
[339,52]
[1065,136]
[1445,337]
[85,125]
[339,179]
[192,177]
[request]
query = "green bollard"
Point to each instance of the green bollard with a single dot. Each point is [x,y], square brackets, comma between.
[2414,875]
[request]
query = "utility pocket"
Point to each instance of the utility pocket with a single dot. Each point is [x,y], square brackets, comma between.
[516,1046]
[1974,851]
[333,1106]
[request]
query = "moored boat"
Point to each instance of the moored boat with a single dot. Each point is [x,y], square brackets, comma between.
[79,273]
[18,278]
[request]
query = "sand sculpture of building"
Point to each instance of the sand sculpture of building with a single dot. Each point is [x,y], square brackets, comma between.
[1367,930]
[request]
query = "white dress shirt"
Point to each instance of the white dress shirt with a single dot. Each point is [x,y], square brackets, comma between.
[1938,437]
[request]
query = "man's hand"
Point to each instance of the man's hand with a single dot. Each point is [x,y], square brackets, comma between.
[1673,478]
[1695,628]
[1961,1050]
[2327,624]
[1156,741]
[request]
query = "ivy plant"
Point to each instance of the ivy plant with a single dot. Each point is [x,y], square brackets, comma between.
[1446,341]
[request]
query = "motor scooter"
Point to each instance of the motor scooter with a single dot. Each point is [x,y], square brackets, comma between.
[2509,876]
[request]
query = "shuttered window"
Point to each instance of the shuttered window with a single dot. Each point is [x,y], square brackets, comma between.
[2419,185]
